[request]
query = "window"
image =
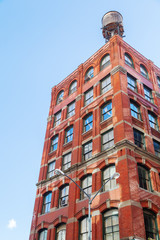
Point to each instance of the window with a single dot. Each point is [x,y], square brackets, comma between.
[86,185]
[51,168]
[105,84]
[89,74]
[144,178]
[150,225]
[87,151]
[105,62]
[63,197]
[57,119]
[60,97]
[143,71]
[61,232]
[46,202]
[153,120]
[158,80]
[148,94]
[106,111]
[73,87]
[156,148]
[66,161]
[107,173]
[138,138]
[71,109]
[69,135]
[54,143]
[128,60]
[83,231]
[88,97]
[111,225]
[107,140]
[131,82]
[88,122]
[135,110]
[43,235]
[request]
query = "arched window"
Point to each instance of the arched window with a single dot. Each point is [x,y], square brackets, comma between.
[107,173]
[43,234]
[61,232]
[46,202]
[105,61]
[128,60]
[73,87]
[86,185]
[106,111]
[63,196]
[144,178]
[60,96]
[83,229]
[111,225]
[143,71]
[150,222]
[89,74]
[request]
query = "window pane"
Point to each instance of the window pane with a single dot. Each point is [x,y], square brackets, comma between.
[105,62]
[111,225]
[144,178]
[105,84]
[71,109]
[46,202]
[51,168]
[88,97]
[88,123]
[131,82]
[128,60]
[89,74]
[60,97]
[156,148]
[107,140]
[73,87]
[107,111]
[43,235]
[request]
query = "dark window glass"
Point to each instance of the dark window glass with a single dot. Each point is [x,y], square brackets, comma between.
[63,198]
[54,143]
[131,82]
[43,235]
[107,173]
[135,111]
[86,185]
[153,120]
[107,140]
[148,94]
[46,202]
[156,148]
[128,60]
[138,138]
[60,97]
[73,87]
[158,80]
[150,225]
[57,119]
[88,122]
[51,168]
[143,71]
[107,111]
[111,225]
[88,97]
[105,62]
[87,151]
[83,231]
[144,178]
[66,161]
[105,84]
[89,74]
[69,135]
[71,109]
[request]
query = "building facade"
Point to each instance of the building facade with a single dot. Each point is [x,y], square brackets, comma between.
[104,117]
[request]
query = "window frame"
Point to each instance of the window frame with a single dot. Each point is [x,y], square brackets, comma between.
[157,153]
[57,121]
[144,71]
[107,85]
[64,197]
[51,172]
[54,146]
[85,224]
[131,79]
[68,164]
[128,60]
[89,74]
[59,97]
[71,88]
[87,122]
[68,134]
[44,236]
[110,214]
[149,96]
[88,100]
[106,63]
[71,112]
[110,185]
[136,113]
[150,230]
[110,140]
[46,206]
[153,123]
[88,188]
[108,112]
[137,142]
[144,178]
[60,228]
[87,153]
[158,81]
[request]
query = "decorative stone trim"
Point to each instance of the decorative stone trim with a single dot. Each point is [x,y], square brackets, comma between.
[49,118]
[129,203]
[95,213]
[118,68]
[71,220]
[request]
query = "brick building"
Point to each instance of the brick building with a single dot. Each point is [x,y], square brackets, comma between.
[104,117]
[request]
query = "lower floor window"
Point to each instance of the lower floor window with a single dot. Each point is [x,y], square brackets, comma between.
[43,235]
[150,225]
[84,229]
[111,225]
[61,232]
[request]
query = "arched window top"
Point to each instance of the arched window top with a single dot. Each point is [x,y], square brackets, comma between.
[144,71]
[111,224]
[63,198]
[61,232]
[86,184]
[105,61]
[42,234]
[128,60]
[107,173]
[111,212]
[150,224]
[89,74]
[73,87]
[60,96]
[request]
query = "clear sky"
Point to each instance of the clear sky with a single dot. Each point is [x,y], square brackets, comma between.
[41,42]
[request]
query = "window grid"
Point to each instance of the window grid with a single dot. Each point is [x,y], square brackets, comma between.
[69,135]
[46,203]
[105,84]
[107,140]
[86,185]
[43,235]
[57,119]
[148,94]
[128,60]
[144,178]
[131,82]
[54,143]
[88,123]
[63,199]
[83,234]
[87,151]
[111,226]
[150,226]
[156,148]
[105,62]
[60,97]
[107,111]
[138,138]
[88,97]
[153,121]
[71,109]
[51,168]
[143,71]
[107,173]
[73,87]
[89,74]
[66,161]
[135,111]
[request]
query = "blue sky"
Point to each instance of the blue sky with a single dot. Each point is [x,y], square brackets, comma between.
[41,42]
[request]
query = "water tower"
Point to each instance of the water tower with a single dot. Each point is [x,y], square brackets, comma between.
[112,24]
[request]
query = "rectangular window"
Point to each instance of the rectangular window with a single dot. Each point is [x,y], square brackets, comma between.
[105,84]
[88,122]
[135,111]
[57,119]
[156,148]
[51,168]
[71,109]
[150,225]
[63,198]
[88,97]
[111,225]
[138,138]
[131,82]
[107,140]
[66,161]
[158,80]
[153,120]
[87,151]
[144,178]
[86,185]
[106,111]
[148,94]
[69,135]
[54,143]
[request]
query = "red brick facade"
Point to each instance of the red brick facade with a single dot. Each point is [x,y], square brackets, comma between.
[127,197]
